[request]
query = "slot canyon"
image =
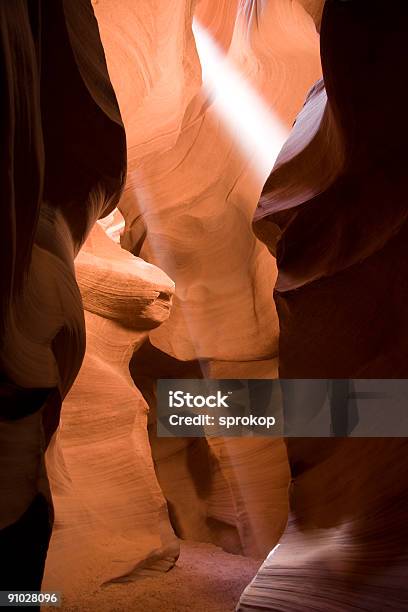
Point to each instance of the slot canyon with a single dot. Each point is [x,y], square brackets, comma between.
[200,190]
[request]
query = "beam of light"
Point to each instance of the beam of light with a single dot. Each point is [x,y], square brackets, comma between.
[258,133]
[255,128]
[251,124]
[114,225]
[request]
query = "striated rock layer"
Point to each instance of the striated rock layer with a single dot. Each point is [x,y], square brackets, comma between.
[192,187]
[62,166]
[333,214]
[111,516]
[190,194]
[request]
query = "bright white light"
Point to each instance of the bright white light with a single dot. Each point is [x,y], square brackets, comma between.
[273,551]
[113,225]
[252,124]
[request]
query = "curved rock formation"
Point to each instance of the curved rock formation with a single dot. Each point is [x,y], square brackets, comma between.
[63,165]
[214,487]
[203,125]
[189,190]
[105,492]
[150,69]
[217,492]
[332,213]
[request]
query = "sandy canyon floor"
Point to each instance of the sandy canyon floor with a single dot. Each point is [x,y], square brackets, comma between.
[205,579]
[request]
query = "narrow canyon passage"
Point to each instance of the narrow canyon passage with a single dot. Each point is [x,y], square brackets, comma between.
[204,200]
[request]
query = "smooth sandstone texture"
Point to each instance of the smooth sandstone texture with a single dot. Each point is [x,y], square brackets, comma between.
[111,517]
[81,182]
[333,213]
[152,62]
[62,166]
[214,487]
[217,493]
[187,201]
[190,193]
